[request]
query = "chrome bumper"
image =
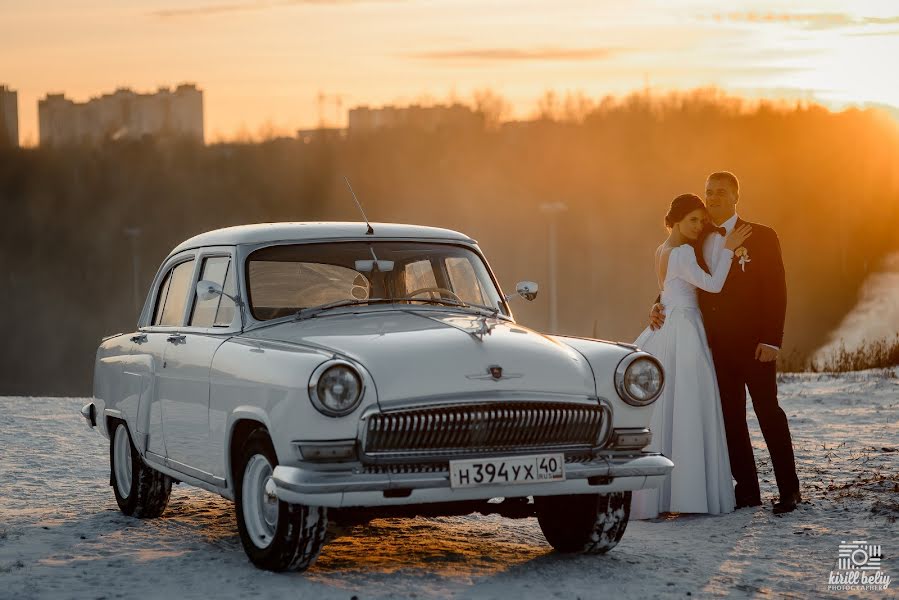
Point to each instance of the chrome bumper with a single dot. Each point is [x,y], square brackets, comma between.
[603,474]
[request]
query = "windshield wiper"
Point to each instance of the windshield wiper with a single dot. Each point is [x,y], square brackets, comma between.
[305,313]
[449,302]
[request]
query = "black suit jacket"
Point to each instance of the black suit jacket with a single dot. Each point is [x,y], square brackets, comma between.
[752,306]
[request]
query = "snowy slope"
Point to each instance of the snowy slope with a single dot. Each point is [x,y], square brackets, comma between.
[61,535]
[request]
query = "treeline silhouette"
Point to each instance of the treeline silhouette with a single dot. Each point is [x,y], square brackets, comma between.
[78,221]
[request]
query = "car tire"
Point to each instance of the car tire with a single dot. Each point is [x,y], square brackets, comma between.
[589,524]
[276,535]
[140,491]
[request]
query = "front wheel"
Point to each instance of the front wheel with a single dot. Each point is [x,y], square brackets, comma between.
[140,491]
[591,523]
[276,536]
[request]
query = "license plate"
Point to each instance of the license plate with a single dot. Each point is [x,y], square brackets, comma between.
[510,470]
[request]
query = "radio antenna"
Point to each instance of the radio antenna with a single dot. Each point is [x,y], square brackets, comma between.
[370,230]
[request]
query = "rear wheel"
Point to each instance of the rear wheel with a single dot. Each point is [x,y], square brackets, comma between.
[140,491]
[276,536]
[591,524]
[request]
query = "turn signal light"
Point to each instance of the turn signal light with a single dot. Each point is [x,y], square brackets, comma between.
[630,439]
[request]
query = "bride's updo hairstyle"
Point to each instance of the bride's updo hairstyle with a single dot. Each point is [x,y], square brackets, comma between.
[682,206]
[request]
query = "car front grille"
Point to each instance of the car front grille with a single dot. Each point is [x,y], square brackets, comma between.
[509,427]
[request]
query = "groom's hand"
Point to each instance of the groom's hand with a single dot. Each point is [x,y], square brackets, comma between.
[657,316]
[765,353]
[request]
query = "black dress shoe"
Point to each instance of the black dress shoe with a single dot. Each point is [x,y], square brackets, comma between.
[748,503]
[787,504]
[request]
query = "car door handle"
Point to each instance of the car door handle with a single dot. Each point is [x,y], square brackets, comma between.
[139,338]
[176,338]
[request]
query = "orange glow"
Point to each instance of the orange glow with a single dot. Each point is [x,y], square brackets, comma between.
[263,65]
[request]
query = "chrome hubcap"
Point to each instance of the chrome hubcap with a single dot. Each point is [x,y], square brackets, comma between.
[260,501]
[122,453]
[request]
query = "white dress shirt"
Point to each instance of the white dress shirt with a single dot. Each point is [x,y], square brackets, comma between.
[714,244]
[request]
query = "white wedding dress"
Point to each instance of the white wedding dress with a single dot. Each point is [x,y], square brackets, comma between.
[687,423]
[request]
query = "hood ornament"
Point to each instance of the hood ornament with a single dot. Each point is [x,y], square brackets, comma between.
[483,328]
[495,373]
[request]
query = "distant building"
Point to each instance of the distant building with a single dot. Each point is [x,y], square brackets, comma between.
[321,134]
[425,118]
[123,114]
[9,117]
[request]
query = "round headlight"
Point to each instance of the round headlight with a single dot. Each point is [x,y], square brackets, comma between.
[639,380]
[336,391]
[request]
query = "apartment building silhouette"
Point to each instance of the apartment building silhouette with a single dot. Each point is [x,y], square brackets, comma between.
[124,114]
[9,117]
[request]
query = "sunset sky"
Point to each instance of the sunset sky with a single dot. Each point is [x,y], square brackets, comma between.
[266,61]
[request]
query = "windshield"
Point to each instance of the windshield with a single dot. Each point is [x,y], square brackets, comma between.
[282,280]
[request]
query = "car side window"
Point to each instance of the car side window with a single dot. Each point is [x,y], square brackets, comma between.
[219,310]
[176,287]
[160,298]
[224,316]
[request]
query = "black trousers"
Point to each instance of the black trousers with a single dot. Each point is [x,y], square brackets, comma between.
[737,369]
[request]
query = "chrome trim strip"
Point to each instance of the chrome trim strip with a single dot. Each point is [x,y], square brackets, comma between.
[157,462]
[183,469]
[468,398]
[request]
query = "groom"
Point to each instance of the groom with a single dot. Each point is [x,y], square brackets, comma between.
[744,325]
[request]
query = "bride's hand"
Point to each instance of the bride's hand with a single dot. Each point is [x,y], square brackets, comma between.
[738,236]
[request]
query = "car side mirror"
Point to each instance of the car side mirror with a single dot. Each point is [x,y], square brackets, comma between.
[525,289]
[207,290]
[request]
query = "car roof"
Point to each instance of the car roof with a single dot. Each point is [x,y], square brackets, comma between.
[261,233]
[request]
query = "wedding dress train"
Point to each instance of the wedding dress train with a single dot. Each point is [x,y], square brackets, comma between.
[687,423]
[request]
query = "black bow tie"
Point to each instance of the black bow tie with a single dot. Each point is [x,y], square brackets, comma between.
[720,230]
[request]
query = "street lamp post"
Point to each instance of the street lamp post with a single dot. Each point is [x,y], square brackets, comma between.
[553,209]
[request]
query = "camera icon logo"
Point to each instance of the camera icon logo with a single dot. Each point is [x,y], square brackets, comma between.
[859,554]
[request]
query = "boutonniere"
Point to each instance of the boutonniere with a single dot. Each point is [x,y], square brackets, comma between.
[743,254]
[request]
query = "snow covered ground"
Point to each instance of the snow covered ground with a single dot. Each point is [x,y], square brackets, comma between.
[62,536]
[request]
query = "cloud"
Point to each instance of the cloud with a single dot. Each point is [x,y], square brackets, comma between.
[209,9]
[881,21]
[873,33]
[808,20]
[518,54]
[217,9]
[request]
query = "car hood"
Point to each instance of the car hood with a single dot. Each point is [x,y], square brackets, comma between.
[421,353]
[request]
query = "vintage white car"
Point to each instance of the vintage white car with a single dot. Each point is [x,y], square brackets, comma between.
[346,371]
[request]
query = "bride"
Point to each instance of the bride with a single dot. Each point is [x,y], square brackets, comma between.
[687,423]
